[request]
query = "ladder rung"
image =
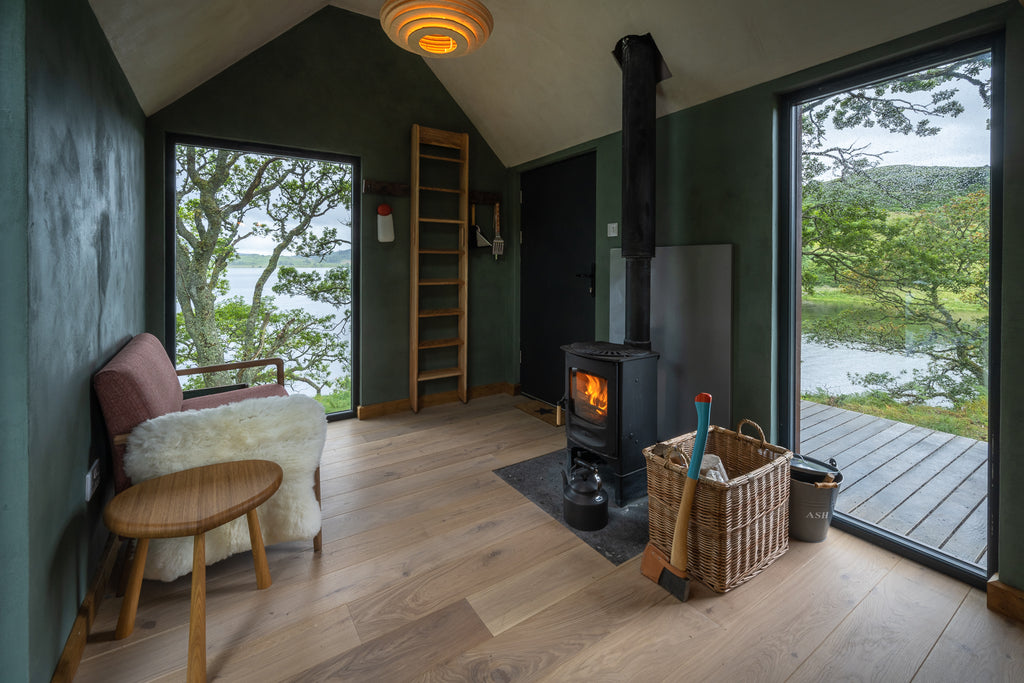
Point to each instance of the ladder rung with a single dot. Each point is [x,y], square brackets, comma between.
[453,190]
[440,343]
[441,251]
[438,374]
[439,312]
[435,157]
[450,221]
[441,281]
[442,138]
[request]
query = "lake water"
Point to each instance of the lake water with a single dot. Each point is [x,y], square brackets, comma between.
[241,282]
[822,367]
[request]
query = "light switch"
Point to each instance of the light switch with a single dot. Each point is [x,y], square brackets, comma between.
[613,229]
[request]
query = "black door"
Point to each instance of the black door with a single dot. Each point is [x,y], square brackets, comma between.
[558,224]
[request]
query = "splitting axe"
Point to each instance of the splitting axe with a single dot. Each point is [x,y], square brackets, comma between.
[671,573]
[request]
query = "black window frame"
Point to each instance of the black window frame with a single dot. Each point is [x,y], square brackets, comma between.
[171,141]
[788,285]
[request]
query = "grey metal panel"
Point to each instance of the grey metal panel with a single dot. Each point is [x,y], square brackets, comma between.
[691,327]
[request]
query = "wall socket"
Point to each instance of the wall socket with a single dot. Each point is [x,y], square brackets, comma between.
[92,480]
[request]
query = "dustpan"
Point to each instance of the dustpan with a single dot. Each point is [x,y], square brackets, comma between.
[481,241]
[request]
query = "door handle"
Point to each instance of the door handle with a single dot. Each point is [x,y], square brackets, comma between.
[592,276]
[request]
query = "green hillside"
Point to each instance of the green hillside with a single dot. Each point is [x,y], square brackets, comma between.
[907,188]
[337,258]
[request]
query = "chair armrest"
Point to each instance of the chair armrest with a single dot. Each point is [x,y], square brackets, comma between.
[238,365]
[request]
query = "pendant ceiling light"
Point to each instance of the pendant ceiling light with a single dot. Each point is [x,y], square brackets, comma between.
[437,28]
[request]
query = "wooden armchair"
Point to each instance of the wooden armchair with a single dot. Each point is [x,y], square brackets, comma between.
[140,383]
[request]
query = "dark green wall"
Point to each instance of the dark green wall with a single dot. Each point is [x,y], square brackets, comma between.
[14,559]
[717,178]
[335,83]
[1011,472]
[72,294]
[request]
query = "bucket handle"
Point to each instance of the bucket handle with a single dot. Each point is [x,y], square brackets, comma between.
[760,432]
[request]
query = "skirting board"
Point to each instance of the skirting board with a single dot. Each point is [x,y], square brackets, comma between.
[75,644]
[1005,599]
[373,410]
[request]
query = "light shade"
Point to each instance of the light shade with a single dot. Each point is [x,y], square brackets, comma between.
[437,28]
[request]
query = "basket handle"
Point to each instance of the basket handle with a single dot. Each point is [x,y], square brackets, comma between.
[760,432]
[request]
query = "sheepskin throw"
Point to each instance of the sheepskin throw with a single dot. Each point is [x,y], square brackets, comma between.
[289,430]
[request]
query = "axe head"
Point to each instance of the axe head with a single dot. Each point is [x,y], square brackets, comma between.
[656,566]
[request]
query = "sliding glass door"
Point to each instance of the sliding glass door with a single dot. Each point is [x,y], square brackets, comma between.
[889,299]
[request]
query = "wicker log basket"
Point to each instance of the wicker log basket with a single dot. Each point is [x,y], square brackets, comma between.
[737,528]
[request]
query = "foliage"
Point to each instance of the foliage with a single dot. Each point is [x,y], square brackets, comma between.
[218,190]
[909,247]
[906,189]
[340,400]
[969,420]
[909,267]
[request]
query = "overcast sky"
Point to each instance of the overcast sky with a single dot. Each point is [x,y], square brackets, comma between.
[963,141]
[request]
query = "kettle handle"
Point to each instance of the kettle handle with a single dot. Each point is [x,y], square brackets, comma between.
[577,465]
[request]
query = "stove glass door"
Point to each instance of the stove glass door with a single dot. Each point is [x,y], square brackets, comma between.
[589,396]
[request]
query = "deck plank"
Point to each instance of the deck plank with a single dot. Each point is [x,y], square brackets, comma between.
[858,473]
[929,486]
[971,539]
[939,526]
[850,432]
[921,473]
[926,498]
[835,418]
[852,446]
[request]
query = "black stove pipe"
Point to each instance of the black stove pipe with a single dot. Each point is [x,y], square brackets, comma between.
[642,69]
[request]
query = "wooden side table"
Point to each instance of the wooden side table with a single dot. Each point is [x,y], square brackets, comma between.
[190,503]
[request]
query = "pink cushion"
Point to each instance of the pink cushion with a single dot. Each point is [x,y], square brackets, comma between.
[137,384]
[140,383]
[219,399]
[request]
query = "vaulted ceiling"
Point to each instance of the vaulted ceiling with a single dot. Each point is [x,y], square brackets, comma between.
[546,79]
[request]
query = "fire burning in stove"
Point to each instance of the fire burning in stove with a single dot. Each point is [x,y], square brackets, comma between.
[590,396]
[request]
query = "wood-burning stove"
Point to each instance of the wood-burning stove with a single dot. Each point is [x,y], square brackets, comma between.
[612,389]
[611,413]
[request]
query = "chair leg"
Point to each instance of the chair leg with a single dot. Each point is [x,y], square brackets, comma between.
[318,540]
[130,603]
[123,566]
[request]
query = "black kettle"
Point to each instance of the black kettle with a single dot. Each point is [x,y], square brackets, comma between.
[584,503]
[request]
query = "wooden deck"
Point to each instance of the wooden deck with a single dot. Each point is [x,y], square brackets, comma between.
[929,486]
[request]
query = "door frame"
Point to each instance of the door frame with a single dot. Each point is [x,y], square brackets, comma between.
[788,320]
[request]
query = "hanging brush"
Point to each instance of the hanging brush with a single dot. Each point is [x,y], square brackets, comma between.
[498,246]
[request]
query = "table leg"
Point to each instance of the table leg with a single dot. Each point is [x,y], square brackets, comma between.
[318,540]
[130,603]
[259,552]
[197,614]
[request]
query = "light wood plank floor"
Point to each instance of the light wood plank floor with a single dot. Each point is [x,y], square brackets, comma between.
[925,485]
[433,569]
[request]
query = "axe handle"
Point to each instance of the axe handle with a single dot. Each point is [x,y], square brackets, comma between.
[682,529]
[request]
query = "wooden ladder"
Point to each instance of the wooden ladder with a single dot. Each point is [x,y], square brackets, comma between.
[439,259]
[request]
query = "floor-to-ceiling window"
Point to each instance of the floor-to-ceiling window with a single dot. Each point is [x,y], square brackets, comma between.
[890,313]
[264,252]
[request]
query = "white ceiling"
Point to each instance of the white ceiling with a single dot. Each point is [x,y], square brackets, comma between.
[546,79]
